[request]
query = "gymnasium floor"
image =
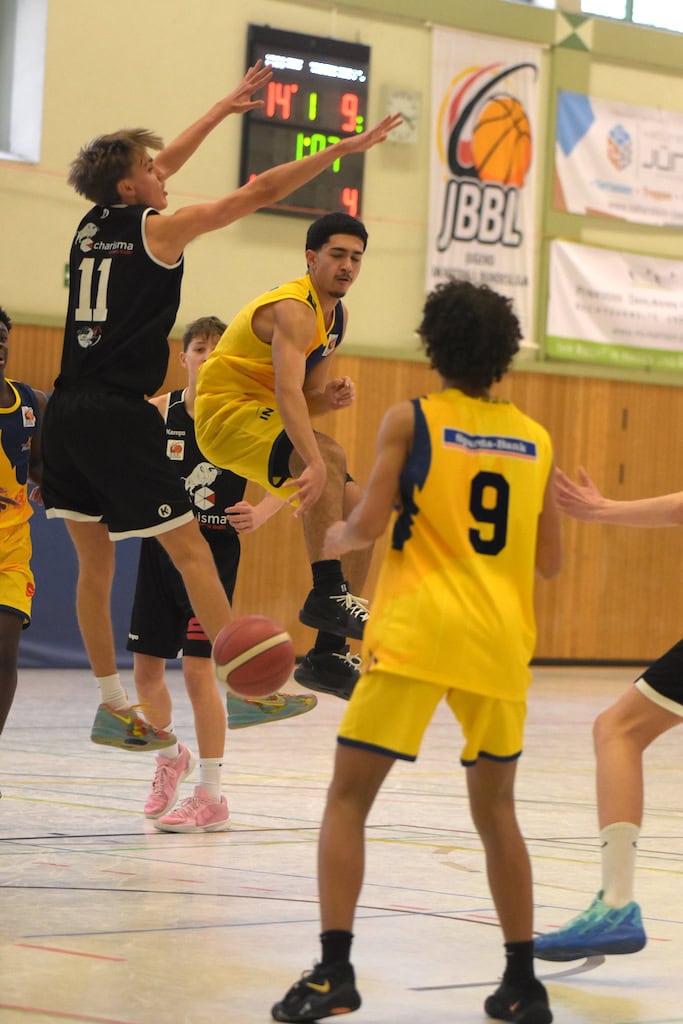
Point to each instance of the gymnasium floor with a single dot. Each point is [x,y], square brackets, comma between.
[103,919]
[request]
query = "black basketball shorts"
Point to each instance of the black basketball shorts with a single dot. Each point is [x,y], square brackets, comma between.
[104,458]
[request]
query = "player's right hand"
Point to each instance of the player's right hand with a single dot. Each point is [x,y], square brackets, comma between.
[308,487]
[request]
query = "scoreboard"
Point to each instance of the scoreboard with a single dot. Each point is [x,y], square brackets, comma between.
[318,95]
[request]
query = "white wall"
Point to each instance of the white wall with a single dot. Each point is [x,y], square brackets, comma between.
[159,64]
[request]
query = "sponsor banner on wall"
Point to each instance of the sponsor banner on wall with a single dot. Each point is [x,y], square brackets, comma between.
[482,202]
[613,159]
[614,308]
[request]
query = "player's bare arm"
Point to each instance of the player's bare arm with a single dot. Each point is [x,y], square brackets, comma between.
[167,235]
[549,535]
[584,501]
[173,156]
[35,465]
[370,517]
[293,328]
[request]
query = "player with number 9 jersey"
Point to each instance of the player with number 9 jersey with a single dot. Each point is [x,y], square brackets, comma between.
[477,475]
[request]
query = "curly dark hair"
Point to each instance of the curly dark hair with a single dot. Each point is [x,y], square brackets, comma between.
[102,163]
[5,319]
[334,224]
[469,332]
[204,327]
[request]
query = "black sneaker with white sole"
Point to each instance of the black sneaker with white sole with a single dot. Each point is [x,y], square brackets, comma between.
[341,614]
[326,991]
[334,672]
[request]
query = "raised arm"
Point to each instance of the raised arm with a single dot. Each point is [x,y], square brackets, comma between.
[167,235]
[584,501]
[176,153]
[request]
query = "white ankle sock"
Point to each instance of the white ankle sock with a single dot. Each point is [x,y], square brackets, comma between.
[619,849]
[210,772]
[112,692]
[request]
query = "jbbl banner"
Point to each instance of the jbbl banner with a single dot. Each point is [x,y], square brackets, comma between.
[481,208]
[615,308]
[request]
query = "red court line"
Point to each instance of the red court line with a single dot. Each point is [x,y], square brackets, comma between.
[64,1016]
[72,952]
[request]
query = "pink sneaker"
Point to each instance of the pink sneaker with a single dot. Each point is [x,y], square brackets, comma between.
[198,813]
[170,772]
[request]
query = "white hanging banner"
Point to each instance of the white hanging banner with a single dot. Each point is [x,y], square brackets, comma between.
[614,308]
[613,159]
[482,191]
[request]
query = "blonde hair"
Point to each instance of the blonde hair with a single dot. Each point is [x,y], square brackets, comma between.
[103,162]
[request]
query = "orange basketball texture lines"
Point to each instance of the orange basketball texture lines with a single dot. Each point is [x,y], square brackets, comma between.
[501,142]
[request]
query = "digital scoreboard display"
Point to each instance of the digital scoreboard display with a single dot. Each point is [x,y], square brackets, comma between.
[318,95]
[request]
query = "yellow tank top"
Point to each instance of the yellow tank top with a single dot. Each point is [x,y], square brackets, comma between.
[454,600]
[242,364]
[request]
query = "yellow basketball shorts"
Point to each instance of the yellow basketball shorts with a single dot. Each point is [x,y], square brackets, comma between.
[389,714]
[17,585]
[249,439]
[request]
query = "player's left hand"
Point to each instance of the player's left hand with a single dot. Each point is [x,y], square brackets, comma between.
[239,100]
[340,392]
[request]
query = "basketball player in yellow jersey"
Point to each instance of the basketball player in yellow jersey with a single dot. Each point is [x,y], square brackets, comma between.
[21,411]
[452,620]
[268,378]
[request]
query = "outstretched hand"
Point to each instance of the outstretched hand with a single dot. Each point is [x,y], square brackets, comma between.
[239,100]
[366,140]
[579,500]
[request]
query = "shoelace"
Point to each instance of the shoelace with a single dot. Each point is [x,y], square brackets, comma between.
[357,607]
[159,780]
[189,804]
[352,660]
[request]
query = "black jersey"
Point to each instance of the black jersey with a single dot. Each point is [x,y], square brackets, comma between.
[209,488]
[122,305]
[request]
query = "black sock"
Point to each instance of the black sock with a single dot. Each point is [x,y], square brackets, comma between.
[327,643]
[336,947]
[519,966]
[328,577]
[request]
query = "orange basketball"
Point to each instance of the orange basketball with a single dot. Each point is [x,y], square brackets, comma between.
[254,656]
[501,142]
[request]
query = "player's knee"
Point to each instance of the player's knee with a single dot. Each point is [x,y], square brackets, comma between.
[333,455]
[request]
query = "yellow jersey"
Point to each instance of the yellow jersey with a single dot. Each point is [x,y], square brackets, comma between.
[454,600]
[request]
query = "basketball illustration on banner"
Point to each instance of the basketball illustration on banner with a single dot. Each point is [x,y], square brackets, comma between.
[501,141]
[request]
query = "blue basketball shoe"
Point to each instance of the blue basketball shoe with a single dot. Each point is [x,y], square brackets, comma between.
[598,931]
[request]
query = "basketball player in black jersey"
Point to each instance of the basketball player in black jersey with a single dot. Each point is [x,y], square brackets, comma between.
[163,622]
[103,474]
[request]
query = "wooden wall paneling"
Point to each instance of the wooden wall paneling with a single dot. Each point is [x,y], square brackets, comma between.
[618,596]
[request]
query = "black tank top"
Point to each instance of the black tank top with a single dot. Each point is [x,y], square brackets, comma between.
[209,488]
[122,305]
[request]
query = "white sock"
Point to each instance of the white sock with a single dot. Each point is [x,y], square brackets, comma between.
[112,692]
[619,849]
[210,772]
[170,752]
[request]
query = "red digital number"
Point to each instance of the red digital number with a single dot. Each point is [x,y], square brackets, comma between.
[349,111]
[350,201]
[279,98]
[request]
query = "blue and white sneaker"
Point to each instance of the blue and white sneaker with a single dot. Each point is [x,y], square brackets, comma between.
[598,931]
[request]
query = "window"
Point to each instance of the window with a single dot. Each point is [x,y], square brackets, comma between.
[23,30]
